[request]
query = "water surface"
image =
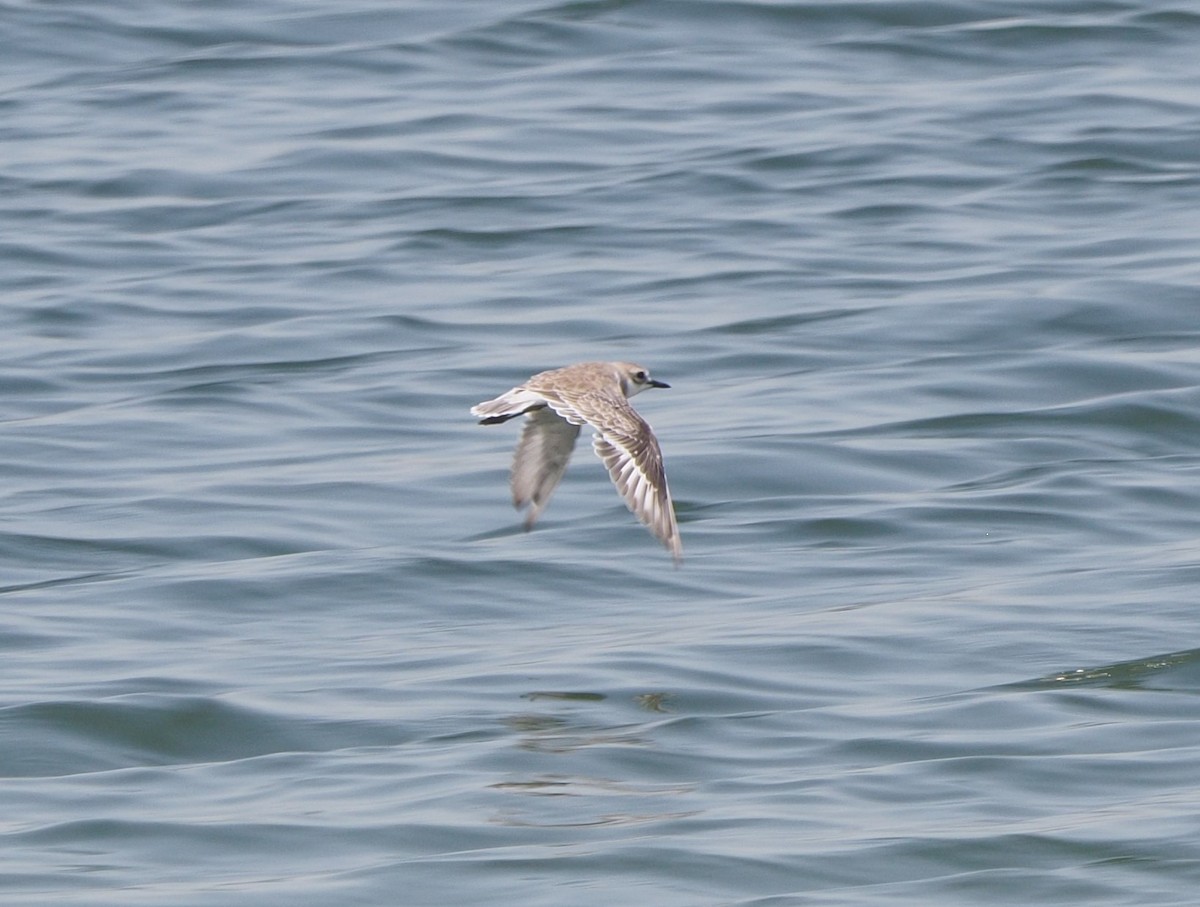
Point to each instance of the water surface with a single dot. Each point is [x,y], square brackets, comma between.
[923,280]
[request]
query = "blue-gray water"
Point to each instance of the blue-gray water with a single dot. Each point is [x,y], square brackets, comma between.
[924,277]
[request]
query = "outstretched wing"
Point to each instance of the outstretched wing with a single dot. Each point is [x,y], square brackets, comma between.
[541,459]
[626,444]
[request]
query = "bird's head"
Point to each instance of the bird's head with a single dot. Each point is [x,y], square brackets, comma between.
[635,378]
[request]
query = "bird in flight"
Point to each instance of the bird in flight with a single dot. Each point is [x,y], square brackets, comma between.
[556,404]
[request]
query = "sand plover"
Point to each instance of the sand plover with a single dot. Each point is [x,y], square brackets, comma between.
[555,404]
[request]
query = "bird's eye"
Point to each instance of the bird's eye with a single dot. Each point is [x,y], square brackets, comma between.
[639,377]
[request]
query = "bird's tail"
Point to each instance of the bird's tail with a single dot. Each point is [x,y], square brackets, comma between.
[508,405]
